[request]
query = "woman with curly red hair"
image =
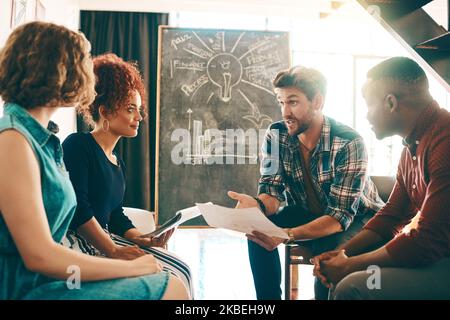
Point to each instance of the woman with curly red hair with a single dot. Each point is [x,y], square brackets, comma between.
[100,226]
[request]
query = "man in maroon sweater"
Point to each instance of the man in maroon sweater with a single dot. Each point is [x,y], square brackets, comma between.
[382,261]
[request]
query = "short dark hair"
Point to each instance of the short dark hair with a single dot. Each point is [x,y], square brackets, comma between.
[400,69]
[43,62]
[310,81]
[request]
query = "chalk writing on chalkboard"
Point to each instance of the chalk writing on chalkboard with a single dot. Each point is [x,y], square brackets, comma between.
[216,102]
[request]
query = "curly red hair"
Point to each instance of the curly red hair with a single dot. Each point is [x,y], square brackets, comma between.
[116,79]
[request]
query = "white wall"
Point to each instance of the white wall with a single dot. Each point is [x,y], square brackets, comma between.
[67,13]
[5,15]
[5,18]
[63,12]
[438,10]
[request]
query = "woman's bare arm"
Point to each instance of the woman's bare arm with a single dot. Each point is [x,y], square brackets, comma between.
[23,211]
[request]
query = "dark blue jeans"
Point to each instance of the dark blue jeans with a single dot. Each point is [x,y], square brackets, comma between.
[265,265]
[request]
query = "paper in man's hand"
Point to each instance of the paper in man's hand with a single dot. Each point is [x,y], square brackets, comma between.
[244,220]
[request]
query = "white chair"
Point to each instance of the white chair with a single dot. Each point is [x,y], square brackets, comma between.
[143,220]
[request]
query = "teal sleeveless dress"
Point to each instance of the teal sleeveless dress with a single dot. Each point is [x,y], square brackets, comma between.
[16,281]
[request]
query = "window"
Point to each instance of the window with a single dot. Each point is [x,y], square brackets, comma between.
[337,70]
[383,154]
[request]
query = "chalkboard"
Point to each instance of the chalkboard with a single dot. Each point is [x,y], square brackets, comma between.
[215,101]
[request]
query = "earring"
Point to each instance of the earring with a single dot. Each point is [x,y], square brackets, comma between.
[105,125]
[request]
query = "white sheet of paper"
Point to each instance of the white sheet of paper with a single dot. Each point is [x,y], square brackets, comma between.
[189,213]
[243,220]
[185,215]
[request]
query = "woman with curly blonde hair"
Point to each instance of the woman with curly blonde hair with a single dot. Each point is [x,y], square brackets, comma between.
[44,67]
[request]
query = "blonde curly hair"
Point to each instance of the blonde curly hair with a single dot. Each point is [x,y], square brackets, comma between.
[46,64]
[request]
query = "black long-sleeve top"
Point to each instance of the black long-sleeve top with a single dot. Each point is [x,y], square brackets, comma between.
[99,184]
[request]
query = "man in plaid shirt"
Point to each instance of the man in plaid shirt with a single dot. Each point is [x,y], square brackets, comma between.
[318,167]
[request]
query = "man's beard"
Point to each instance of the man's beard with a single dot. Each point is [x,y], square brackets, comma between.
[299,127]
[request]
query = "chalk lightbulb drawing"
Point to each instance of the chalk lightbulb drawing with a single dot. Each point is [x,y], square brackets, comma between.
[224,67]
[225,71]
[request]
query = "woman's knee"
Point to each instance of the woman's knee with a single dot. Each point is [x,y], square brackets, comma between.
[176,290]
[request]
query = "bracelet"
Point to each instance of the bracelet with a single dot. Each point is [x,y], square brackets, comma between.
[261,204]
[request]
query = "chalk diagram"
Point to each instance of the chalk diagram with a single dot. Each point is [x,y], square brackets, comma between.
[224,69]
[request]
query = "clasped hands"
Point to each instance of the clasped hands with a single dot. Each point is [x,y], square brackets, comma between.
[331,267]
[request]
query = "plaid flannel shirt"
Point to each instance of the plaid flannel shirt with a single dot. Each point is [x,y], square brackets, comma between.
[338,169]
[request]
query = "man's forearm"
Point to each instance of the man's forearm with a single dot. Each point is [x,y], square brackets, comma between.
[320,227]
[271,203]
[365,241]
[379,258]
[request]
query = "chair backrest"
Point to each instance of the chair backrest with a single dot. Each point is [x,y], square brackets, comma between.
[384,184]
[143,220]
